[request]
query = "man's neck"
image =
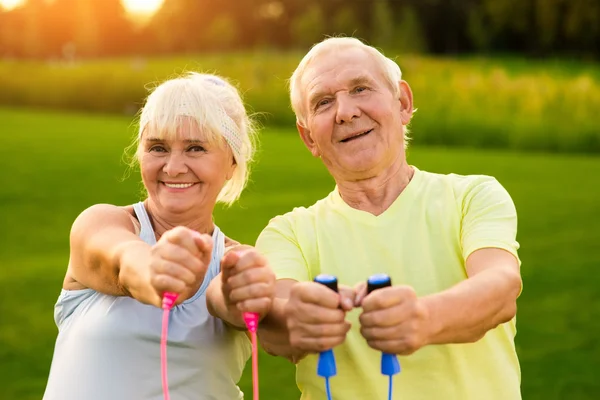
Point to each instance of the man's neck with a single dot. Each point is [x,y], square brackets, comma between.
[376,194]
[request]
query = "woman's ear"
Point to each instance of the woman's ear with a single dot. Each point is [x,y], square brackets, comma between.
[231,169]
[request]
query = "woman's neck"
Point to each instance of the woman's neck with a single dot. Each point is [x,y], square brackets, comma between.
[162,221]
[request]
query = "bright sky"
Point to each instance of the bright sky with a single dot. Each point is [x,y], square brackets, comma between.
[139,7]
[10,4]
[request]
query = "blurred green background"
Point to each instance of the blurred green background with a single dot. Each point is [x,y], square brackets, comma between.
[509,88]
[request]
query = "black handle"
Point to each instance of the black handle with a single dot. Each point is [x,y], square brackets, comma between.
[328,280]
[378,281]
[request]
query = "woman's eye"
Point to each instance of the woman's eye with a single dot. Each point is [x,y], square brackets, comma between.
[157,149]
[360,89]
[196,149]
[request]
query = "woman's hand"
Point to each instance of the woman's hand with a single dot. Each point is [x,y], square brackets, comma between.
[179,261]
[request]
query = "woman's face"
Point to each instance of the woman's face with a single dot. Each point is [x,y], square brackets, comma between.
[186,172]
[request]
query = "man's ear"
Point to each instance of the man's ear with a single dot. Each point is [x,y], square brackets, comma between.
[308,140]
[406,102]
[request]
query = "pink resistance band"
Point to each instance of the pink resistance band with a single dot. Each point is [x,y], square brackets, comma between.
[251,320]
[167,304]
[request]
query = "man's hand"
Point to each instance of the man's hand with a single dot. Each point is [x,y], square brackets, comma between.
[395,320]
[179,261]
[248,283]
[315,316]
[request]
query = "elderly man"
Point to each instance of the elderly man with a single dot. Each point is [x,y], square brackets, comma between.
[447,241]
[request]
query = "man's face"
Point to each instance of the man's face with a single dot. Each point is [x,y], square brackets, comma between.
[353,120]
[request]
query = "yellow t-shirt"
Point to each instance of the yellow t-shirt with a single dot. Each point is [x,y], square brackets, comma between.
[421,240]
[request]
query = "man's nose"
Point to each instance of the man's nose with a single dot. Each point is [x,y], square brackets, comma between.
[347,109]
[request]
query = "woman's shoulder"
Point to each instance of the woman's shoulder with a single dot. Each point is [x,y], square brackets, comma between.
[103,214]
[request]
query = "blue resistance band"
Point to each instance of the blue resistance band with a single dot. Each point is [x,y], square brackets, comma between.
[326,367]
[389,362]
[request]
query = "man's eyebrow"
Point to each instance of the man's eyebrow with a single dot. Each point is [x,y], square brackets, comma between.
[315,97]
[360,80]
[357,81]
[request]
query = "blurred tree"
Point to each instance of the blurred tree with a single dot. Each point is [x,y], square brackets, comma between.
[408,34]
[222,33]
[581,26]
[32,35]
[308,28]
[11,22]
[382,25]
[86,37]
[114,27]
[345,22]
[181,26]
[53,28]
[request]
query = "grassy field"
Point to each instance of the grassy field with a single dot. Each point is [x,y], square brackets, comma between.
[511,103]
[54,165]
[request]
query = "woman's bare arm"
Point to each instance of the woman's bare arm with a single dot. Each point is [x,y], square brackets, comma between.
[108,256]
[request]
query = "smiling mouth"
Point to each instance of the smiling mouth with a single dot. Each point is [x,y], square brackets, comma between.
[178,185]
[365,133]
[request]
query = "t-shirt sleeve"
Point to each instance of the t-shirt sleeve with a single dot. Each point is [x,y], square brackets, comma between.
[489,218]
[279,243]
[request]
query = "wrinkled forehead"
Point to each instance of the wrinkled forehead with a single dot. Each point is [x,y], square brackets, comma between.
[337,68]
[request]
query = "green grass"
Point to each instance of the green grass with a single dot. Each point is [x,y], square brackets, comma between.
[54,165]
[511,103]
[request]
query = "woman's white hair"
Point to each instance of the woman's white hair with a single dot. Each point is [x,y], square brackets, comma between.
[217,109]
[391,71]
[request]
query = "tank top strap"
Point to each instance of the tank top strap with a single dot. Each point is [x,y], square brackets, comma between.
[146,231]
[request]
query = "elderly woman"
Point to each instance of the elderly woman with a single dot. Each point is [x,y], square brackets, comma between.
[193,147]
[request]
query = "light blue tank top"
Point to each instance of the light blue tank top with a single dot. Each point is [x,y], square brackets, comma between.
[108,348]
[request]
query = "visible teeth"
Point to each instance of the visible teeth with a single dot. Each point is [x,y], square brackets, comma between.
[178,185]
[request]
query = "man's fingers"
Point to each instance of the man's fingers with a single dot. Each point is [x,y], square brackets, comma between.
[347,297]
[309,313]
[313,345]
[387,297]
[402,346]
[386,317]
[315,293]
[361,291]
[324,330]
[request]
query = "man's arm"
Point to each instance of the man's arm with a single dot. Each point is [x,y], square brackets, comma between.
[395,320]
[273,332]
[465,312]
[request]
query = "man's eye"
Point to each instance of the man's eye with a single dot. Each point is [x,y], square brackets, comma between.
[323,102]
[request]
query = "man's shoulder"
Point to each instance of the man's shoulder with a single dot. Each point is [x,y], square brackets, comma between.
[303,213]
[461,184]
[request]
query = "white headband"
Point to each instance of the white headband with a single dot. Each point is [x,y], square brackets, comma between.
[229,129]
